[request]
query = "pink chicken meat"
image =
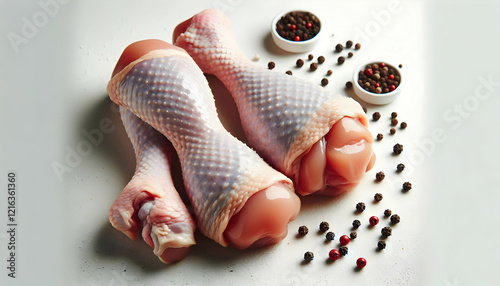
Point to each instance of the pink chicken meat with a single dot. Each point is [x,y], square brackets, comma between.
[313,136]
[150,199]
[238,199]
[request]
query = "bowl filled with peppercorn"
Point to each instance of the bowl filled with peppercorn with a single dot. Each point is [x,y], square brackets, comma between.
[377,82]
[296,31]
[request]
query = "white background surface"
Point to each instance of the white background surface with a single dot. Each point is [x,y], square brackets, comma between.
[53,88]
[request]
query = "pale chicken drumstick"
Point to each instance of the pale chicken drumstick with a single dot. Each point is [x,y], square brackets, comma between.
[315,137]
[150,199]
[238,199]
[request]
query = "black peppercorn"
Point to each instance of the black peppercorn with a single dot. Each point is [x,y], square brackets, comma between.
[380,136]
[350,54]
[406,186]
[341,60]
[380,176]
[303,230]
[324,81]
[394,115]
[356,223]
[353,235]
[386,231]
[329,72]
[348,84]
[343,250]
[400,65]
[395,219]
[339,48]
[348,44]
[357,46]
[321,59]
[313,66]
[387,212]
[324,226]
[271,65]
[330,236]
[394,122]
[376,116]
[392,131]
[403,125]
[299,63]
[289,72]
[308,256]
[400,167]
[381,244]
[397,149]
[378,197]
[310,57]
[360,206]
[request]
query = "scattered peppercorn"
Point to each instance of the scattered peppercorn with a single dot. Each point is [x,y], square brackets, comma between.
[329,72]
[380,176]
[324,226]
[374,220]
[310,57]
[334,254]
[392,131]
[348,84]
[313,66]
[303,230]
[394,122]
[324,81]
[344,240]
[406,186]
[400,167]
[394,115]
[378,197]
[361,262]
[380,136]
[400,65]
[395,219]
[381,244]
[360,206]
[299,63]
[289,72]
[356,223]
[330,236]
[350,54]
[376,116]
[386,231]
[308,256]
[348,44]
[397,149]
[321,59]
[357,46]
[403,125]
[271,65]
[343,250]
[387,212]
[341,60]
[353,235]
[298,26]
[339,48]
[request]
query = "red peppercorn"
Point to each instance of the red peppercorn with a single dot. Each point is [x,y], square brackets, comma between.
[308,25]
[374,220]
[382,64]
[377,84]
[344,240]
[361,262]
[334,254]
[297,38]
[391,77]
[293,27]
[392,87]
[368,72]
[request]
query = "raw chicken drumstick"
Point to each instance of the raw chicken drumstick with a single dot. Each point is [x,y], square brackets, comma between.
[238,199]
[150,197]
[313,136]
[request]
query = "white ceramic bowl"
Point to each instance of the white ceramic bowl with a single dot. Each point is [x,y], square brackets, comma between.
[294,46]
[376,98]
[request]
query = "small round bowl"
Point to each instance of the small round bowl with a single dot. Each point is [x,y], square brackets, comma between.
[376,98]
[294,46]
